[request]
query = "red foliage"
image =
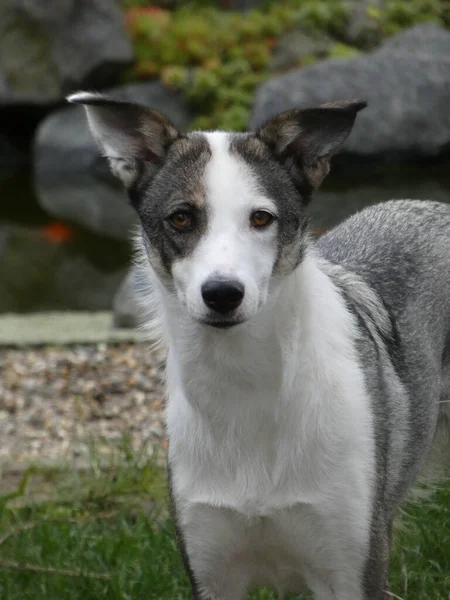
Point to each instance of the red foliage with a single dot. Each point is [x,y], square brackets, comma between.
[154,12]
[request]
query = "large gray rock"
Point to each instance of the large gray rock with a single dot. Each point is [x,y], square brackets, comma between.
[72,179]
[48,48]
[406,83]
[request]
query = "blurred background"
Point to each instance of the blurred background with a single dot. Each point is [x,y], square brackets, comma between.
[64,222]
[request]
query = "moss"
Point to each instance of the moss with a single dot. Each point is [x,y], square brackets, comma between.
[217,57]
[340,50]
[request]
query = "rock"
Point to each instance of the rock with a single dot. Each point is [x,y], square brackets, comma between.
[334,203]
[296,46]
[405,81]
[72,179]
[127,312]
[50,48]
[362,28]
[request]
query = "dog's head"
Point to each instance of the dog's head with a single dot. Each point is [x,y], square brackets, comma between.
[223,214]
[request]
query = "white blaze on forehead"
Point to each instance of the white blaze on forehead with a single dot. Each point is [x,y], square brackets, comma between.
[229,247]
[230,184]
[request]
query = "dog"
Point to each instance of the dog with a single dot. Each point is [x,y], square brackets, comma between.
[307,379]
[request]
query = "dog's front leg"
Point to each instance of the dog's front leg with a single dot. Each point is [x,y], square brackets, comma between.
[210,581]
[226,592]
[219,582]
[325,590]
[211,542]
[375,581]
[350,582]
[213,579]
[352,587]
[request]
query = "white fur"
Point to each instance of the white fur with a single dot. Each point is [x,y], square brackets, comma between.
[80,97]
[270,427]
[118,147]
[271,445]
[230,248]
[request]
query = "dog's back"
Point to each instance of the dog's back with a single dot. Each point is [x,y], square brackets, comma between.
[401,249]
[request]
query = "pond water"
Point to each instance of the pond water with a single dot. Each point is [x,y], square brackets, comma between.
[49,265]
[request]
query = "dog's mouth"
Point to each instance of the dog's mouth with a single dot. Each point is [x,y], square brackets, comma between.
[222,323]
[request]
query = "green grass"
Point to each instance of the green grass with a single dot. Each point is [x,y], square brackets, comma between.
[105,534]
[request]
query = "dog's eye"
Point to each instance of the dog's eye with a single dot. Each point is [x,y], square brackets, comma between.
[261,218]
[182,220]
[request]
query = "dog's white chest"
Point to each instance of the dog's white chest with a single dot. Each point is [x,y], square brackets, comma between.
[271,454]
[254,465]
[266,441]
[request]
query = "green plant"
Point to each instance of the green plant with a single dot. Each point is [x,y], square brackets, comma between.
[396,15]
[217,58]
[339,50]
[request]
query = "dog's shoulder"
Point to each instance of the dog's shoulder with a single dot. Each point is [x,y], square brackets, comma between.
[394,246]
[395,225]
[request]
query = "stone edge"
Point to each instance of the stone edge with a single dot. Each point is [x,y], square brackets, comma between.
[63,328]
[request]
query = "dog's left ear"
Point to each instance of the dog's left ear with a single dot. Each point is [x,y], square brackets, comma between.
[304,140]
[131,136]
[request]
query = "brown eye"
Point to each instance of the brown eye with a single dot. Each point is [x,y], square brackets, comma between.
[181,220]
[261,218]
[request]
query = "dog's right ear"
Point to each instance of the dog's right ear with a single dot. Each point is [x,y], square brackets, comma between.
[131,136]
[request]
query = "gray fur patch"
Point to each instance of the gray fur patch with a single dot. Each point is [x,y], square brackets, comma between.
[277,184]
[178,185]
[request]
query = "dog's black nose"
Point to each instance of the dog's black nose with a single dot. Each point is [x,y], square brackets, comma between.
[222,296]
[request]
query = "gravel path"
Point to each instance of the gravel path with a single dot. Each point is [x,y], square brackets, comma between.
[56,401]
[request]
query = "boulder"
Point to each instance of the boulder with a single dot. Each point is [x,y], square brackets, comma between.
[72,179]
[49,48]
[362,28]
[406,82]
[127,312]
[295,46]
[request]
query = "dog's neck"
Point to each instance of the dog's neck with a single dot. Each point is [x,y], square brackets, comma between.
[305,317]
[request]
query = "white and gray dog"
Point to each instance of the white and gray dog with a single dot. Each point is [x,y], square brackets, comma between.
[307,380]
